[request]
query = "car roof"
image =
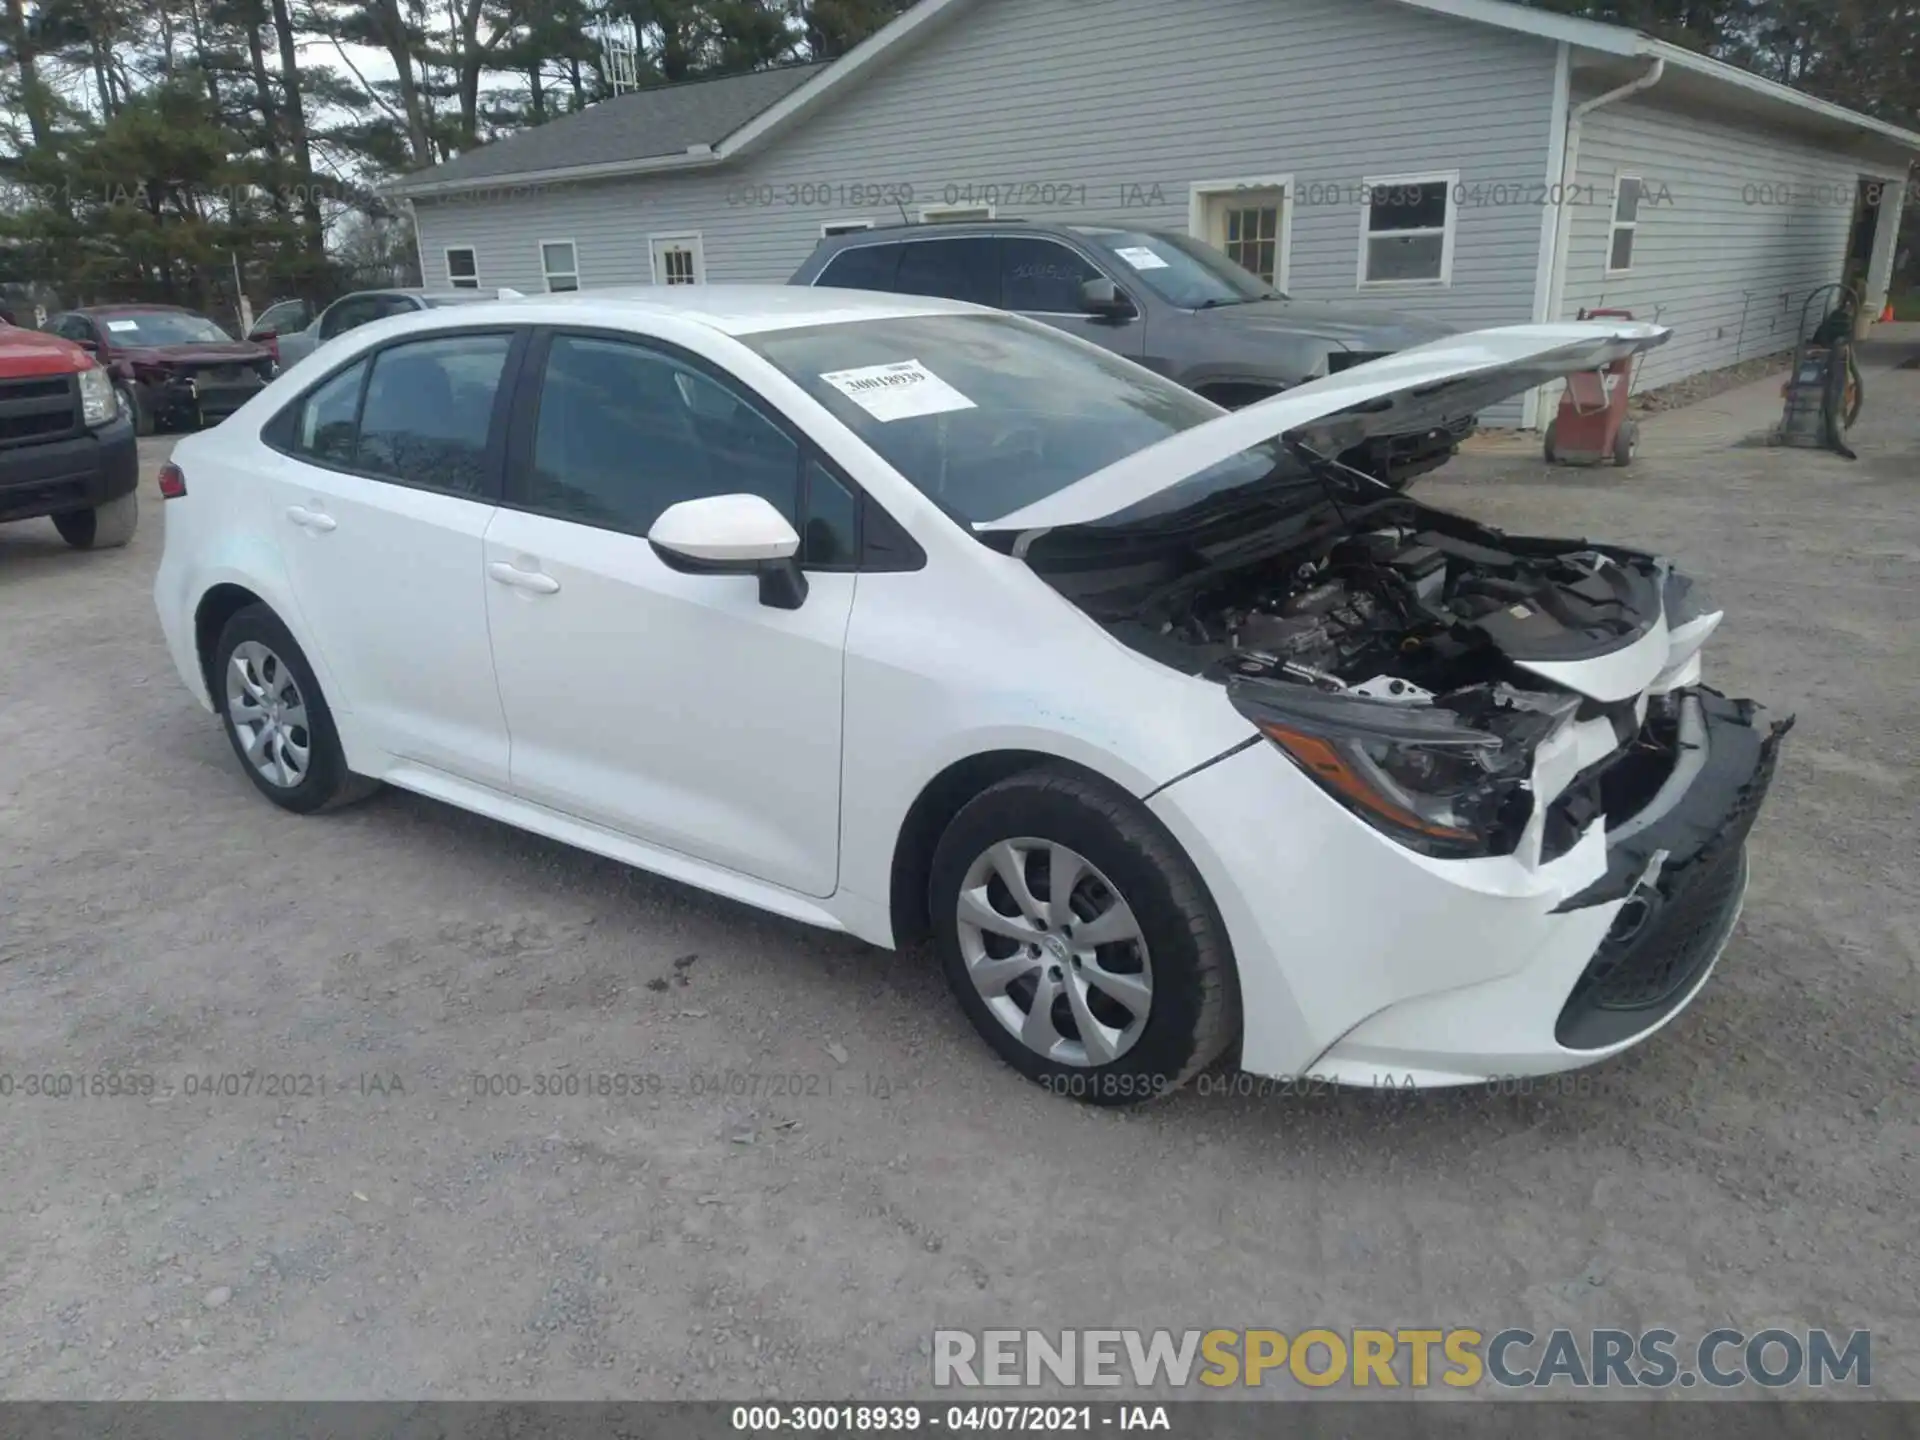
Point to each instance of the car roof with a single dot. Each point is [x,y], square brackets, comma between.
[132,307]
[730,309]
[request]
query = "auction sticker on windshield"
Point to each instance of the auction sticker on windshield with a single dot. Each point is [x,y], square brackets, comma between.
[123,324]
[1140,257]
[898,391]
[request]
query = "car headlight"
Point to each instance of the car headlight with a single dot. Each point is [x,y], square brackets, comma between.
[98,403]
[1420,774]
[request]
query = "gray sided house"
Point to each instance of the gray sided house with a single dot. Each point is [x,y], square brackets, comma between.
[1477,162]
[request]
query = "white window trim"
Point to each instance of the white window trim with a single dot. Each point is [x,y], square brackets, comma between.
[546,275]
[699,247]
[1615,224]
[843,227]
[932,213]
[1451,179]
[446,259]
[1201,191]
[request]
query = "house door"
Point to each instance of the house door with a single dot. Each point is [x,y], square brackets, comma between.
[678,260]
[1249,227]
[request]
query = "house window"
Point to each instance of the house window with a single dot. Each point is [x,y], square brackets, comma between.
[463,267]
[1406,229]
[935,214]
[844,227]
[1249,221]
[678,260]
[1626,223]
[560,265]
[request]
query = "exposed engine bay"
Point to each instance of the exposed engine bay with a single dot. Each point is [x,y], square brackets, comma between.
[1404,613]
[1449,682]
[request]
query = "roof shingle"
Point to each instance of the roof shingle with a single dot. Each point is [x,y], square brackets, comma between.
[639,125]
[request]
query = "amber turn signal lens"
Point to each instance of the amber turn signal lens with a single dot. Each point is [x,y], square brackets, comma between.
[1325,763]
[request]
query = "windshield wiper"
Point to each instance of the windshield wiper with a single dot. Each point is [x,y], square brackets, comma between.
[1334,474]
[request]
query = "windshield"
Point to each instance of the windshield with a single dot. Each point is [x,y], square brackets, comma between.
[986,414]
[1180,270]
[162,327]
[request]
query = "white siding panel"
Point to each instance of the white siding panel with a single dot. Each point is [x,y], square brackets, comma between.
[1121,105]
[1737,228]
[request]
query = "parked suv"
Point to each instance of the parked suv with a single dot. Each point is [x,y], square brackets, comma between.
[171,366]
[66,443]
[1170,302]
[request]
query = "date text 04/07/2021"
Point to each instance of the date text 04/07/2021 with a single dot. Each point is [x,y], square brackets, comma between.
[994,1419]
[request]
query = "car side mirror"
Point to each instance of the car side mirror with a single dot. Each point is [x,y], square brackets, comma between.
[92,347]
[733,535]
[1103,298]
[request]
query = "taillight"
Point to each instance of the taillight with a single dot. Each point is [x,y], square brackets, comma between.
[173,481]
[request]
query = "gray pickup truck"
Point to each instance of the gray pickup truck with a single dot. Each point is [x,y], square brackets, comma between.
[1172,303]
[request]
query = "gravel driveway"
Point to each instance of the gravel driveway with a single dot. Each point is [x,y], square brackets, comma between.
[637,1221]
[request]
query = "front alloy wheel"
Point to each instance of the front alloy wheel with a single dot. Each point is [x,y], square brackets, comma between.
[1079,939]
[1055,952]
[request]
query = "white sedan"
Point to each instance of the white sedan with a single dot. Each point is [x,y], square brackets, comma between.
[913,619]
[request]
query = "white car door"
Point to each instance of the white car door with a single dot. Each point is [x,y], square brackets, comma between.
[676,708]
[381,487]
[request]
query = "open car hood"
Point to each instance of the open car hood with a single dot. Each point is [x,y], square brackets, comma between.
[1405,393]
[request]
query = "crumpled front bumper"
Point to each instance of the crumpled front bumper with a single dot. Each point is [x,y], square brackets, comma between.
[1366,964]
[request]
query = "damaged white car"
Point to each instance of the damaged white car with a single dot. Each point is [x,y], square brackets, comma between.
[907,618]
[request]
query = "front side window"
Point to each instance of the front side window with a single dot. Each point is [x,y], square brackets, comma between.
[1042,276]
[1406,230]
[984,414]
[162,327]
[1182,271]
[428,412]
[624,431]
[964,269]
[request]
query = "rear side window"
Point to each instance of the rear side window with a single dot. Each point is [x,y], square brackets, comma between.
[428,412]
[865,267]
[961,269]
[324,430]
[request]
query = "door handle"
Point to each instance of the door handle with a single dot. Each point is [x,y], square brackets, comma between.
[531,580]
[310,519]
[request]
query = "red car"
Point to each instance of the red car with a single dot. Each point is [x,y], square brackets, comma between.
[66,444]
[172,366]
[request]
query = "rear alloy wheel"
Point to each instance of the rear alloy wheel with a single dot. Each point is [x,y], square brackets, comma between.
[1079,939]
[277,718]
[105,527]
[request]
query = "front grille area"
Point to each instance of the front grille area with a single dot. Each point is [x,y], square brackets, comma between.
[39,408]
[1664,938]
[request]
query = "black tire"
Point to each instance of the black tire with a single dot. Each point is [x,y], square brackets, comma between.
[1194,1013]
[1552,446]
[106,526]
[326,781]
[143,419]
[1626,443]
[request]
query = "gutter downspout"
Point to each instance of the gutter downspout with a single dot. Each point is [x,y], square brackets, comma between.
[1570,169]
